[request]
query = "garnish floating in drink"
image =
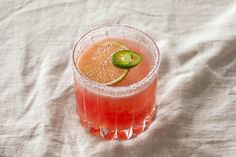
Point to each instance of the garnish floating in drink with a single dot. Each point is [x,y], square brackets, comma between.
[108,62]
[126,59]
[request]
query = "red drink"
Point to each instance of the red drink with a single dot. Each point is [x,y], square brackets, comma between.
[126,108]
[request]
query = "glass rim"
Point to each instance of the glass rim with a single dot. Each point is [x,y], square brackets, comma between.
[119,91]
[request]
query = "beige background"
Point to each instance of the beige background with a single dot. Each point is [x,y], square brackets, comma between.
[197,86]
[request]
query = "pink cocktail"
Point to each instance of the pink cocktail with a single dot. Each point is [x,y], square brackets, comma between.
[123,109]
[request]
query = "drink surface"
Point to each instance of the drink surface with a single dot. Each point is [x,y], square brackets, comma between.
[104,49]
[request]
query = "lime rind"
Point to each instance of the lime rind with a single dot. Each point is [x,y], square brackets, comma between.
[120,44]
[118,79]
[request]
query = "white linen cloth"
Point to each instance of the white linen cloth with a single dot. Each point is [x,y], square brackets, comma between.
[196,113]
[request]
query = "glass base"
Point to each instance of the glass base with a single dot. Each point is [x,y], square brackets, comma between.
[120,134]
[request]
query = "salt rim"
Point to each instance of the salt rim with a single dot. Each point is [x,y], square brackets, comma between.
[123,90]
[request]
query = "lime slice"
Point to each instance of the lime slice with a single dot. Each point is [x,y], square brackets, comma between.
[96,62]
[126,59]
[118,79]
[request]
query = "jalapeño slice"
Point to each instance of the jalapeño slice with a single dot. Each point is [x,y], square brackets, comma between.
[126,59]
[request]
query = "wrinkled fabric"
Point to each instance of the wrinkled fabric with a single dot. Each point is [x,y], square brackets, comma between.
[196,113]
